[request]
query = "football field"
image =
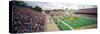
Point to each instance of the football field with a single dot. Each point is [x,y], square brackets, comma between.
[64,23]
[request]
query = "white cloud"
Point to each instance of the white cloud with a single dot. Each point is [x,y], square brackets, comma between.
[53,5]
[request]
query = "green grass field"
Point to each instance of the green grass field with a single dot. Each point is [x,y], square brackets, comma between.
[75,23]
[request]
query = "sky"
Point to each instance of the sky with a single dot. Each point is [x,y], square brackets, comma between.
[54,5]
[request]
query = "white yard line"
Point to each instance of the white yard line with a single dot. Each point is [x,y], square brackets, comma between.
[65,24]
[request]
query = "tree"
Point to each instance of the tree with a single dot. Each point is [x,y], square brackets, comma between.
[37,8]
